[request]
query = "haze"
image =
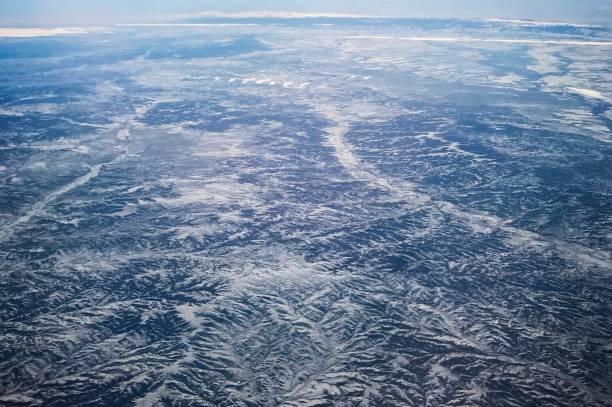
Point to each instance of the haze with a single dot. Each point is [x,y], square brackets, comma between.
[42,13]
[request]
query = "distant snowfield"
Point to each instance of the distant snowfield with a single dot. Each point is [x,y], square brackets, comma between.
[493,40]
[187,25]
[538,23]
[42,32]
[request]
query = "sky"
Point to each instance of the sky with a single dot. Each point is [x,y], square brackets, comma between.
[45,13]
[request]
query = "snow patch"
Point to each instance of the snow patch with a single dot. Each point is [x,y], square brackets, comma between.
[587,93]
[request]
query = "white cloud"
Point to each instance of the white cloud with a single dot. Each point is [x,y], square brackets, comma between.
[270,14]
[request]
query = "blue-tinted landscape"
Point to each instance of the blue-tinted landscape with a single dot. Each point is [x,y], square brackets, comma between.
[307,212]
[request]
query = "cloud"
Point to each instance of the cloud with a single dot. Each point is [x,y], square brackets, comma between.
[272,14]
